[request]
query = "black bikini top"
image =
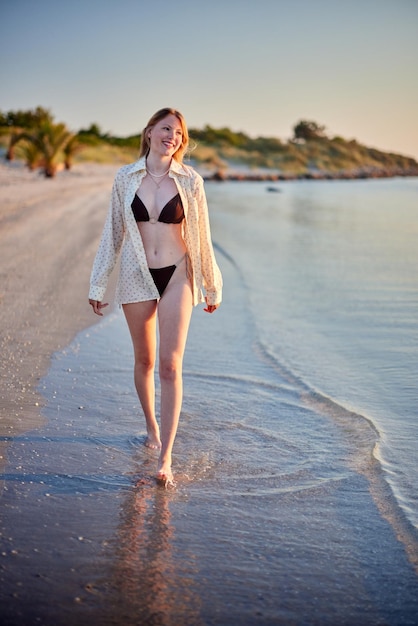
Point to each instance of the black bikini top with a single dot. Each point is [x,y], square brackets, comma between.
[171,213]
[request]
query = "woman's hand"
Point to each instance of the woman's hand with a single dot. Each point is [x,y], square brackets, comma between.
[97,306]
[210,308]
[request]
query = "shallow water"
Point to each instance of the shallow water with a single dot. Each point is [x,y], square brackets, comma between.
[294,500]
[332,272]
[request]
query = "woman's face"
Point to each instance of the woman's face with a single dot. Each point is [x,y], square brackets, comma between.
[166,136]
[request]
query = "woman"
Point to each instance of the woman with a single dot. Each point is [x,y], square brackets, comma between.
[158,222]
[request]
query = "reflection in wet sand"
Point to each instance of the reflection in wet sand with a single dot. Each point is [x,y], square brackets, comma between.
[153,580]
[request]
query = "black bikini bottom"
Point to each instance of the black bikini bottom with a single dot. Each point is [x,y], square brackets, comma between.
[162,275]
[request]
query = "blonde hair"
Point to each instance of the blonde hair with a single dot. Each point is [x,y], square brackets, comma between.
[157,117]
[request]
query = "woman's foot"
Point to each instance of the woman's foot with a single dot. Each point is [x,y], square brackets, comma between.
[165,480]
[165,475]
[152,442]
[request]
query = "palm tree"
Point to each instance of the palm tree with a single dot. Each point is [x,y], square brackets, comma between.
[14,138]
[31,154]
[14,123]
[71,148]
[50,140]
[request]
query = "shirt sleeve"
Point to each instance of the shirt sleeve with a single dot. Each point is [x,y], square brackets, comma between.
[212,277]
[110,245]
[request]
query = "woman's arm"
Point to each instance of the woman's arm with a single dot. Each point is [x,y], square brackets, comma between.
[110,244]
[211,273]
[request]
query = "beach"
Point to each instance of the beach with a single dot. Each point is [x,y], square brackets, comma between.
[295,500]
[49,230]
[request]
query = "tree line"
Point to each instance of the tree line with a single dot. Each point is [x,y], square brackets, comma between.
[47,144]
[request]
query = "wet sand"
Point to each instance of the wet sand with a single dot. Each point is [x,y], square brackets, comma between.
[49,230]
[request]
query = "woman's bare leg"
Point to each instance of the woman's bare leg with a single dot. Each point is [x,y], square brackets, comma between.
[174,313]
[141,319]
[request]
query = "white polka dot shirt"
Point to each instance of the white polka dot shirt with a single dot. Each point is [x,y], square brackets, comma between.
[122,237]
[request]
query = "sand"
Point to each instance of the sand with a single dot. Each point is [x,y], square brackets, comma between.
[49,231]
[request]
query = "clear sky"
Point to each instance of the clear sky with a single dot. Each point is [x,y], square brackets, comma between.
[257,66]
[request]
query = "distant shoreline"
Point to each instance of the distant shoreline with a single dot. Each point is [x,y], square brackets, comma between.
[265,176]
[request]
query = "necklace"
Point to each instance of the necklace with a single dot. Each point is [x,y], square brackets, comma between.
[162,176]
[157,175]
[153,219]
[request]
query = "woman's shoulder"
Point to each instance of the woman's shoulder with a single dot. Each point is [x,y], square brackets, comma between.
[125,171]
[130,168]
[192,173]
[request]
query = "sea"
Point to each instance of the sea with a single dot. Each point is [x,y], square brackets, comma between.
[296,462]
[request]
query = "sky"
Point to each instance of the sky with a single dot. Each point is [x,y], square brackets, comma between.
[257,66]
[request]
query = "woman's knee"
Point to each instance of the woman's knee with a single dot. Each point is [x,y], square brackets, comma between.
[144,364]
[170,368]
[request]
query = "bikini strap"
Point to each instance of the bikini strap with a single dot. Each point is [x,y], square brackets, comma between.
[177,263]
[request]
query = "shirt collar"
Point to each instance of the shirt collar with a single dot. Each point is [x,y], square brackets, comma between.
[175,167]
